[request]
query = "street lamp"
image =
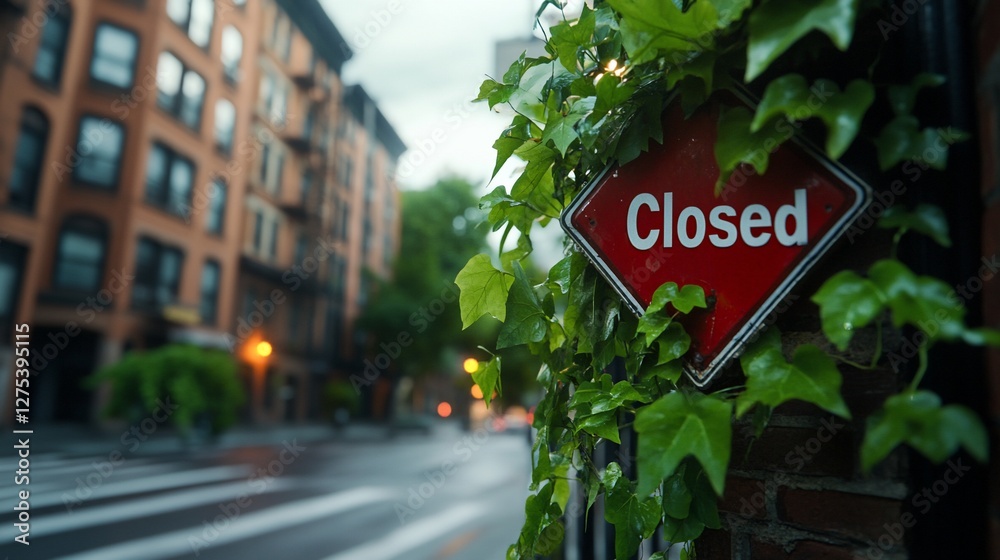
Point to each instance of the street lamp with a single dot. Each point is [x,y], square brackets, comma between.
[264,349]
[470,365]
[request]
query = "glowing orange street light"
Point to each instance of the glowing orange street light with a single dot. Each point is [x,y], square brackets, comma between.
[477,392]
[470,365]
[264,349]
[444,410]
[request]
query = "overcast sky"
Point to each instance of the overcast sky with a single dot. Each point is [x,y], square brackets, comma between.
[423,64]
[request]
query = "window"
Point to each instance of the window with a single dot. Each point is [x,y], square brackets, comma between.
[209,305]
[301,246]
[99,147]
[11,267]
[157,274]
[258,230]
[216,207]
[345,215]
[225,124]
[180,91]
[279,170]
[273,240]
[169,179]
[346,170]
[79,263]
[274,97]
[52,47]
[115,52]
[265,162]
[306,186]
[194,17]
[28,158]
[232,53]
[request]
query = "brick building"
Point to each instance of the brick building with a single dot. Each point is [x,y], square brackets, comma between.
[167,168]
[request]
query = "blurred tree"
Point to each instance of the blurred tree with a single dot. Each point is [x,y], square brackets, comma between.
[186,383]
[441,229]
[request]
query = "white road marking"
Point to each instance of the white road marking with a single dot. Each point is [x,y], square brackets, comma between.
[185,541]
[414,534]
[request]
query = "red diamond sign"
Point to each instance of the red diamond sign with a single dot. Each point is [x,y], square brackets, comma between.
[657,219]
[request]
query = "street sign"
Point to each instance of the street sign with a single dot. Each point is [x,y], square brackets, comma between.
[657,219]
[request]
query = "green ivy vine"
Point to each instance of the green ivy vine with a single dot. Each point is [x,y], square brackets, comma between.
[597,96]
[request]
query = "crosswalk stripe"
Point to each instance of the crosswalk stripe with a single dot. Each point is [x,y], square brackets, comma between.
[111,488]
[40,481]
[415,534]
[136,509]
[176,543]
[64,467]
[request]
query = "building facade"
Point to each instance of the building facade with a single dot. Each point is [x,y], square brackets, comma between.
[167,169]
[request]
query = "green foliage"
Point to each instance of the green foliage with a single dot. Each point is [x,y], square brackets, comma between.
[200,382]
[918,419]
[811,376]
[596,97]
[440,232]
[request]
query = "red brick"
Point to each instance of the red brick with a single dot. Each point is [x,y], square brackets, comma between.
[716,544]
[745,497]
[799,451]
[853,515]
[760,550]
[813,550]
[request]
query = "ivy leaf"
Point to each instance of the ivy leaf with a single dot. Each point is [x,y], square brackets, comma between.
[812,376]
[673,343]
[737,144]
[634,519]
[570,37]
[604,424]
[671,371]
[678,425]
[560,130]
[525,321]
[924,302]
[791,97]
[683,299]
[559,278]
[611,92]
[927,219]
[484,290]
[918,420]
[902,98]
[487,376]
[776,25]
[653,325]
[676,495]
[650,27]
[512,138]
[902,140]
[847,302]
